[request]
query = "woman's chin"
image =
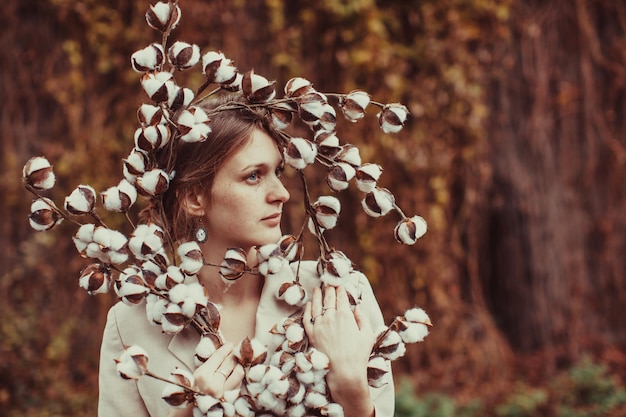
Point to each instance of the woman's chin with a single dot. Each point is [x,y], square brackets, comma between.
[267,238]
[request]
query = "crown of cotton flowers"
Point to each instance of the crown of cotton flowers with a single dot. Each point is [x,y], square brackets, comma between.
[148,268]
[172,115]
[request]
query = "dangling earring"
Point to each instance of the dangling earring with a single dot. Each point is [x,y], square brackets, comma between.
[201,233]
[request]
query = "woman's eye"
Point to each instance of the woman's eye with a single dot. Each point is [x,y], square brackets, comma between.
[254,176]
[279,171]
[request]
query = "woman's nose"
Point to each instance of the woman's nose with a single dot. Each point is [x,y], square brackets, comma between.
[278,191]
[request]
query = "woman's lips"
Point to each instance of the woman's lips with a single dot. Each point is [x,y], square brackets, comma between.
[272,219]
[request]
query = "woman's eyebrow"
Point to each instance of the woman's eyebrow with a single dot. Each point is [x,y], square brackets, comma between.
[278,163]
[260,165]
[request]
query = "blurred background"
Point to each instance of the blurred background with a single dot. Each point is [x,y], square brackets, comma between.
[514,154]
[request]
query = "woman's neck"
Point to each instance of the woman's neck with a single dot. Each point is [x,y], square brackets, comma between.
[237,300]
[229,293]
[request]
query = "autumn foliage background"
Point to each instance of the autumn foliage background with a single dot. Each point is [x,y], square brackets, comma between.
[514,154]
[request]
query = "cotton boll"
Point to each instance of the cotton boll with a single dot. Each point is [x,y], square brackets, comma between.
[278,387]
[318,359]
[298,86]
[305,377]
[117,258]
[231,396]
[275,264]
[378,202]
[189,308]
[367,176]
[350,154]
[332,410]
[414,332]
[296,392]
[255,388]
[288,365]
[93,250]
[407,231]
[266,399]
[128,370]
[215,412]
[295,333]
[392,346]
[302,362]
[81,201]
[279,407]
[250,352]
[38,173]
[292,293]
[417,315]
[191,257]
[283,360]
[339,176]
[204,349]
[133,362]
[377,369]
[85,232]
[272,374]
[397,353]
[205,402]
[286,346]
[299,153]
[256,88]
[229,409]
[174,321]
[256,373]
[244,407]
[178,293]
[171,328]
[174,396]
[162,15]
[392,117]
[327,209]
[315,400]
[298,410]
[95,279]
[197,293]
[155,308]
[319,383]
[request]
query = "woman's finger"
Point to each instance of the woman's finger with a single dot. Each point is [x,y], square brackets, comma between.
[226,367]
[330,297]
[216,359]
[306,316]
[361,320]
[342,303]
[316,302]
[218,374]
[235,378]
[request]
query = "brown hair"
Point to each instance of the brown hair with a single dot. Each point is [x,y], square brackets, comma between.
[196,164]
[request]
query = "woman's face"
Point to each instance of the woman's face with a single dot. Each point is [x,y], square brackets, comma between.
[247,196]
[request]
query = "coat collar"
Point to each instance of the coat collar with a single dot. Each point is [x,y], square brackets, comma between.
[270,311]
[183,346]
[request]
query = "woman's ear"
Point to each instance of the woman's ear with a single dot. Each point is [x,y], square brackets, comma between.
[194,203]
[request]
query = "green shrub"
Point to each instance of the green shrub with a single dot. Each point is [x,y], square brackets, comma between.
[408,404]
[587,390]
[523,403]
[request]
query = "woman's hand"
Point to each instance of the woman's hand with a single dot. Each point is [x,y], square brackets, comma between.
[220,373]
[347,339]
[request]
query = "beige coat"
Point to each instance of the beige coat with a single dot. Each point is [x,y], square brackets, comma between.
[128,325]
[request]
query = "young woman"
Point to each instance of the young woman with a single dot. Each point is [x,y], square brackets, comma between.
[230,184]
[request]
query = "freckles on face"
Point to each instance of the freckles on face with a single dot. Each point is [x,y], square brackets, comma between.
[247,196]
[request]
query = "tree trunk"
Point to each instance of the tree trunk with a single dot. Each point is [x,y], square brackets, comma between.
[552,253]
